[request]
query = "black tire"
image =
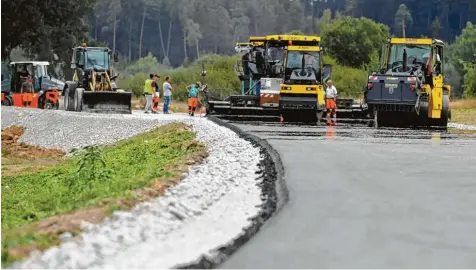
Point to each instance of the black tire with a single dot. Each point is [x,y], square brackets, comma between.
[378,119]
[442,122]
[68,100]
[78,99]
[48,105]
[8,101]
[423,119]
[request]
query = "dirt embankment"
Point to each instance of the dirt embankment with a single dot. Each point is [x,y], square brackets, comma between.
[18,157]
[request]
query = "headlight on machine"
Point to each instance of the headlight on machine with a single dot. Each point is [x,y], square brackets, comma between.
[310,88]
[286,88]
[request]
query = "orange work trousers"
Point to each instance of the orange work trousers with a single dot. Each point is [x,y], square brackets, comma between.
[192,103]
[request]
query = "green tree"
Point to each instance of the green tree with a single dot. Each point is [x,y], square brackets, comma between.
[353,42]
[403,19]
[295,32]
[193,35]
[464,47]
[46,30]
[295,13]
[470,80]
[462,53]
[325,20]
[435,28]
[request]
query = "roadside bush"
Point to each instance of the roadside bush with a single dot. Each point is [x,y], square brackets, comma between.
[470,82]
[348,81]
[353,41]
[220,76]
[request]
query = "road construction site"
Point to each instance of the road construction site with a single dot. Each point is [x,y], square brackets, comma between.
[279,193]
[352,196]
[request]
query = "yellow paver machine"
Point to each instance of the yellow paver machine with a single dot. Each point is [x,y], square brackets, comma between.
[281,75]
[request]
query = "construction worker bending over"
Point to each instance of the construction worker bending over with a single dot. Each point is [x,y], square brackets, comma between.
[193,91]
[149,89]
[331,97]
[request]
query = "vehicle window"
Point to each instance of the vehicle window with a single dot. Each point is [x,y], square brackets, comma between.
[416,55]
[40,71]
[311,59]
[275,54]
[97,59]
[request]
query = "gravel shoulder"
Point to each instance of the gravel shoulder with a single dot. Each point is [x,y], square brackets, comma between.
[208,208]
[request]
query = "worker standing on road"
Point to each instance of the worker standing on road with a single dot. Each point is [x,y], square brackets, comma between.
[331,97]
[148,91]
[193,91]
[156,95]
[167,94]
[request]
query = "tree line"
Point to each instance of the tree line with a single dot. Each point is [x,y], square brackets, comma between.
[177,31]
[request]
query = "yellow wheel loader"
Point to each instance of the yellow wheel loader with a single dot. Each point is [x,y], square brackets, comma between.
[410,89]
[93,88]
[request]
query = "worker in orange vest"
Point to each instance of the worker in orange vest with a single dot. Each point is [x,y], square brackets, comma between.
[331,98]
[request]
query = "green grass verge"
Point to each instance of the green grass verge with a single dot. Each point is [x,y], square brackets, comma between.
[91,179]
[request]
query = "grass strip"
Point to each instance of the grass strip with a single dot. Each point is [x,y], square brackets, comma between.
[39,205]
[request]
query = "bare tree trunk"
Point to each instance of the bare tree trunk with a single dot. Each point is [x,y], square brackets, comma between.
[141,33]
[198,49]
[403,28]
[185,44]
[130,41]
[168,41]
[96,29]
[114,30]
[161,37]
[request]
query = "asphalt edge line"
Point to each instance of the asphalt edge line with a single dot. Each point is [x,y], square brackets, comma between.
[274,195]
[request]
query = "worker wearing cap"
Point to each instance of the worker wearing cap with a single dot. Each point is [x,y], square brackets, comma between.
[331,97]
[149,86]
[193,91]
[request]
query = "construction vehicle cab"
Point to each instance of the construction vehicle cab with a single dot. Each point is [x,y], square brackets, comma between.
[303,77]
[241,47]
[410,88]
[251,69]
[93,88]
[44,93]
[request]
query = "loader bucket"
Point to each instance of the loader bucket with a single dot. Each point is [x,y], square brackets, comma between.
[107,102]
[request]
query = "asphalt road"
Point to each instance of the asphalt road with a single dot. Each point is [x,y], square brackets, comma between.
[365,198]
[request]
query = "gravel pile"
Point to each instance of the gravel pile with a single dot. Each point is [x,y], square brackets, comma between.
[210,207]
[461,126]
